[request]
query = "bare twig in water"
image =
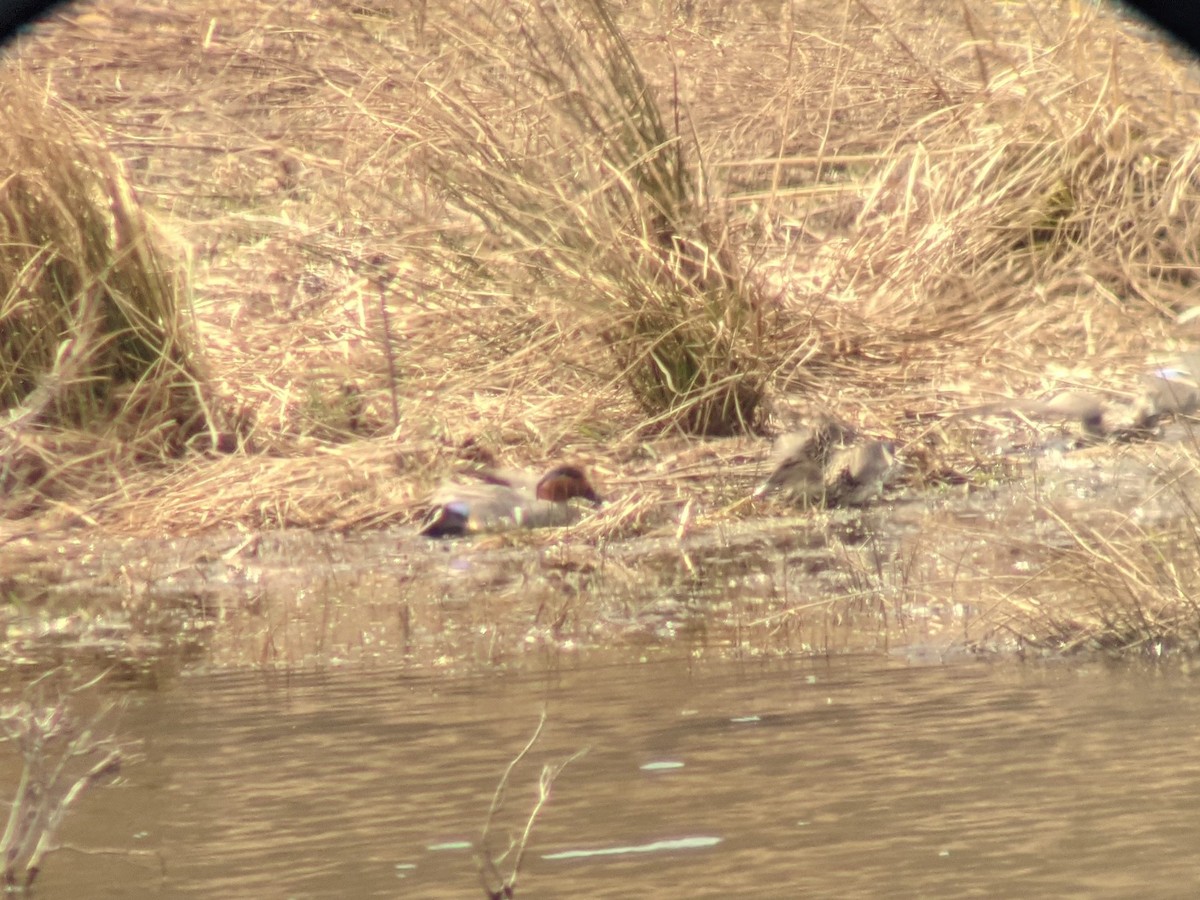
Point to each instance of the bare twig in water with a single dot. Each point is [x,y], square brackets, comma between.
[489,870]
[63,758]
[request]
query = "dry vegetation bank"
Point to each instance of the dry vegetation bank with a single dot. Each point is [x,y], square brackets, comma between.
[404,232]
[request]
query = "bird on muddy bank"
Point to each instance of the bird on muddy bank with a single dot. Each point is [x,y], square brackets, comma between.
[1096,417]
[827,464]
[1172,390]
[500,501]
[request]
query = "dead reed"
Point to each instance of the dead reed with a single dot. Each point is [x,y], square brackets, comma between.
[63,757]
[498,884]
[1112,583]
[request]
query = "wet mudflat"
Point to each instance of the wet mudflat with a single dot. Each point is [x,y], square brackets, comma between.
[834,777]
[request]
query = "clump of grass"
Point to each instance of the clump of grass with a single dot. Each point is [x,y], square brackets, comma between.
[95,334]
[556,141]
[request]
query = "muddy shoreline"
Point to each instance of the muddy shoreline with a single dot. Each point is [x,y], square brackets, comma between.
[941,571]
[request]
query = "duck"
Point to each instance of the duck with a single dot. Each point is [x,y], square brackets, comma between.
[827,464]
[499,501]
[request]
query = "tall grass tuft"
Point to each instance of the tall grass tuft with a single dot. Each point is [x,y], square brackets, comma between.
[545,129]
[1055,174]
[94,334]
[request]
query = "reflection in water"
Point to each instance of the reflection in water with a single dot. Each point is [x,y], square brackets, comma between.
[845,778]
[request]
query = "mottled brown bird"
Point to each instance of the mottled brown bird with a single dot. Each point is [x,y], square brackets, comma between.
[827,464]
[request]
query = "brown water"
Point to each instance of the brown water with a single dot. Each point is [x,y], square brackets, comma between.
[851,777]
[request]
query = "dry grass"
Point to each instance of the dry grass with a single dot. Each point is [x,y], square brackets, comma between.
[555,141]
[95,336]
[1114,582]
[839,208]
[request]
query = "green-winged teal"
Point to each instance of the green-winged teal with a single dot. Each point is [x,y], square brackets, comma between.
[498,501]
